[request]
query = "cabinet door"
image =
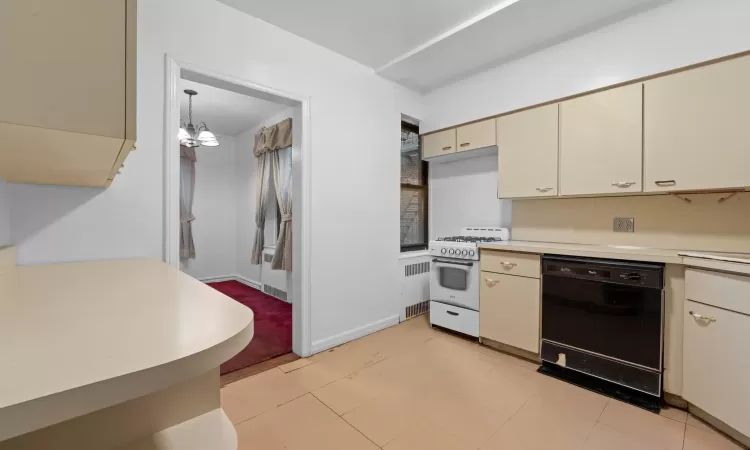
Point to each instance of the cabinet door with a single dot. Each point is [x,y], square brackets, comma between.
[476,135]
[527,153]
[601,142]
[441,143]
[697,128]
[509,310]
[716,363]
[65,69]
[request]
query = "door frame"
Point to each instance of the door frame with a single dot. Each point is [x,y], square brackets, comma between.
[301,283]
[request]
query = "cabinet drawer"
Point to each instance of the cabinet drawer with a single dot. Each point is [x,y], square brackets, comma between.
[725,290]
[454,318]
[717,364]
[509,310]
[476,135]
[521,264]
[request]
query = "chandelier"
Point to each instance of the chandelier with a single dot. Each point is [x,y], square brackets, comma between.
[189,135]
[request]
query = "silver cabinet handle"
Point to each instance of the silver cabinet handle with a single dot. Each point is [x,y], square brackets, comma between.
[665,182]
[490,282]
[623,184]
[543,189]
[702,317]
[465,144]
[508,265]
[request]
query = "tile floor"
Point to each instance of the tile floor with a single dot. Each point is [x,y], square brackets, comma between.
[412,387]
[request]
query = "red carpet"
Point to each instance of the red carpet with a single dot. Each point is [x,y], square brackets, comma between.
[273,325]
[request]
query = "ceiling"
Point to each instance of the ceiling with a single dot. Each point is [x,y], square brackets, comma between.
[426,44]
[225,112]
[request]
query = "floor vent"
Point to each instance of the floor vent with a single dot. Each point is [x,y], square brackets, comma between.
[267,257]
[418,309]
[416,269]
[272,291]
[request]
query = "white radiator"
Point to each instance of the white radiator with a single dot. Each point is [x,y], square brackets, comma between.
[415,285]
[274,281]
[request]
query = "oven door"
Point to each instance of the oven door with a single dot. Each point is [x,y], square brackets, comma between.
[455,282]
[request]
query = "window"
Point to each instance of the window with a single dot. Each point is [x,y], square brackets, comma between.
[413,191]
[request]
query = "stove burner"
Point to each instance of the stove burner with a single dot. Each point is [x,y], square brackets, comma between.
[469,239]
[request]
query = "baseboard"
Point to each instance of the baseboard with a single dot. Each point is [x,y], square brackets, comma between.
[248,282]
[355,333]
[217,278]
[234,277]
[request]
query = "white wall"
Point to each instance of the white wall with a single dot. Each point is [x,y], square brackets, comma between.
[214,208]
[464,193]
[677,34]
[5,235]
[355,118]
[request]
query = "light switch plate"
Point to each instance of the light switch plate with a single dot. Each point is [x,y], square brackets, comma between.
[623,225]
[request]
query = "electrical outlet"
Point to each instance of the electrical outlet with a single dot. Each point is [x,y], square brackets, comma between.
[623,225]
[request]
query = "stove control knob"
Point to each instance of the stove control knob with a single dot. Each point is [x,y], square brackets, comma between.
[450,251]
[442,251]
[464,252]
[471,252]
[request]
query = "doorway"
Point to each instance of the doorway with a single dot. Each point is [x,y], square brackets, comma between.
[277,295]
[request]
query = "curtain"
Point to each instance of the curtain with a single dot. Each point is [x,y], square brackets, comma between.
[282,179]
[273,150]
[187,193]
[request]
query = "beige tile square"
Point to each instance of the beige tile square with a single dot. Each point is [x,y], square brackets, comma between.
[674,414]
[558,417]
[315,376]
[384,419]
[294,365]
[428,436]
[604,437]
[247,398]
[302,424]
[706,438]
[347,393]
[644,425]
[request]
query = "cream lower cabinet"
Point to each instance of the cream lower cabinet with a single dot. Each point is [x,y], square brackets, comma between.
[527,153]
[509,310]
[717,363]
[696,128]
[601,142]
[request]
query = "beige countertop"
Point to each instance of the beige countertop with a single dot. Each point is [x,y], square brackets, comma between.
[79,337]
[735,262]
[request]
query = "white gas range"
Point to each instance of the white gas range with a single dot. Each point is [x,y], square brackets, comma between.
[454,278]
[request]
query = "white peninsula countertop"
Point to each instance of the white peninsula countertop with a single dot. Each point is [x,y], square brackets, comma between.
[79,337]
[733,262]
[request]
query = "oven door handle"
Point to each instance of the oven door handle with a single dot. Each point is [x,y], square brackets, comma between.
[458,263]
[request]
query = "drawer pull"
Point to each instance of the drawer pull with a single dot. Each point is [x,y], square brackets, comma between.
[665,182]
[623,184]
[543,189]
[490,282]
[508,265]
[452,313]
[447,148]
[702,317]
[465,144]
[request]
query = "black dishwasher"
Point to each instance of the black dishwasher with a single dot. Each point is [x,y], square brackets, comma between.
[605,319]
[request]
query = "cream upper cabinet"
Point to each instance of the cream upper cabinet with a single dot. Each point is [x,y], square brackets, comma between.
[601,142]
[509,310]
[697,128]
[440,143]
[67,113]
[527,153]
[476,135]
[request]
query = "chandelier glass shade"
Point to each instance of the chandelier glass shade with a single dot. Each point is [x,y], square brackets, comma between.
[192,136]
